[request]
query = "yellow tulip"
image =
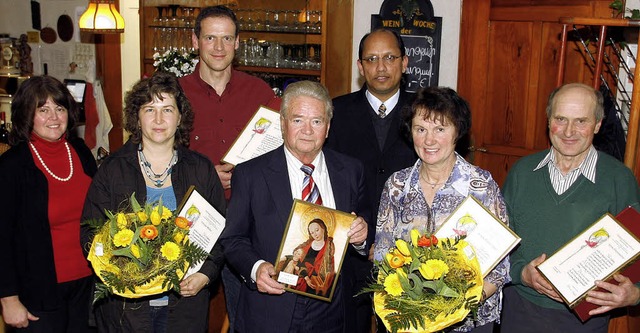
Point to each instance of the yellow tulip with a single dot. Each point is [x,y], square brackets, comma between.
[403,247]
[135,250]
[155,218]
[415,234]
[178,237]
[142,216]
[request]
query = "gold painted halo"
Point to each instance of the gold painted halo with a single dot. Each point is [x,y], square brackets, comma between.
[312,213]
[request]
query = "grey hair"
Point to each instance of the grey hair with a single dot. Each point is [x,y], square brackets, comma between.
[597,97]
[309,89]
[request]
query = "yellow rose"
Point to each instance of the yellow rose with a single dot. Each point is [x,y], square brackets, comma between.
[155,217]
[403,247]
[433,269]
[123,238]
[121,221]
[142,216]
[392,285]
[135,250]
[170,250]
[415,234]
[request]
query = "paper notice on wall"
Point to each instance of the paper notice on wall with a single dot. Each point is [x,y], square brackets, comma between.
[56,59]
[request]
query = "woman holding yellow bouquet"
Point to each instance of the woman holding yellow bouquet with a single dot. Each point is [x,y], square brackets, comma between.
[423,196]
[156,163]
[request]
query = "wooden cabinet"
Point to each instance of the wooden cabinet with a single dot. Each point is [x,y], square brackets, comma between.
[331,40]
[509,56]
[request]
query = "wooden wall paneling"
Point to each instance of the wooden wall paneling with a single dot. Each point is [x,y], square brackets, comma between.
[146,38]
[472,62]
[509,70]
[337,41]
[109,71]
[549,13]
[507,77]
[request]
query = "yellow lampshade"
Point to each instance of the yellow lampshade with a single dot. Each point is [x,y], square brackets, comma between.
[101,17]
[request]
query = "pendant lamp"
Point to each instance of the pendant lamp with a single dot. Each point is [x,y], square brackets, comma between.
[101,17]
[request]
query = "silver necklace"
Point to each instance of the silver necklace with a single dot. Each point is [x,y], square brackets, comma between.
[158,180]
[49,170]
[433,185]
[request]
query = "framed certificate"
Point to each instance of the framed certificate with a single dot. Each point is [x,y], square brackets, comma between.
[312,250]
[262,134]
[491,239]
[205,222]
[595,254]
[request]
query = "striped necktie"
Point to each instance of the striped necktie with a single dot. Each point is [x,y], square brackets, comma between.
[382,111]
[310,190]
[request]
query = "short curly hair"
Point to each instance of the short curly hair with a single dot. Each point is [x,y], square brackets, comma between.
[143,93]
[442,104]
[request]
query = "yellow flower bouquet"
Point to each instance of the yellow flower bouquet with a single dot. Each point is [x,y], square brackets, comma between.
[426,285]
[142,252]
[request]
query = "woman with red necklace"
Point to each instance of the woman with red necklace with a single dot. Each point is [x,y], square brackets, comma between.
[45,282]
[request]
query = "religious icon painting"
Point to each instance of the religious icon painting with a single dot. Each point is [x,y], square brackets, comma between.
[312,249]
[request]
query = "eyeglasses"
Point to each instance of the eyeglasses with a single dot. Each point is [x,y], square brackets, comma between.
[388,59]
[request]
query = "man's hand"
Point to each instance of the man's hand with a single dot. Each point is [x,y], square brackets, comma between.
[358,231]
[265,282]
[14,313]
[625,293]
[192,285]
[533,279]
[224,173]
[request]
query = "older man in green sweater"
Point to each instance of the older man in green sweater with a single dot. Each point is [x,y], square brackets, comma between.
[551,197]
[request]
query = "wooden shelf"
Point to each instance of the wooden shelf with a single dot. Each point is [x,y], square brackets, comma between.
[335,38]
[286,71]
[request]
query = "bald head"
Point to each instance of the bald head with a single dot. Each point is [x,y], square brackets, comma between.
[592,98]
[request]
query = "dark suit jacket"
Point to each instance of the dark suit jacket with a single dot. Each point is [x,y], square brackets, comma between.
[352,133]
[256,221]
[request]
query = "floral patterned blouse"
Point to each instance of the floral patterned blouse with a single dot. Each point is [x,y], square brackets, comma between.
[403,207]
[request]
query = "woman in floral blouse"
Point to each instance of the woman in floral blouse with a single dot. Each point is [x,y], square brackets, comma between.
[424,195]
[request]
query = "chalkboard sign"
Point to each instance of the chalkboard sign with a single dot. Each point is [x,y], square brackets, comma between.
[421,33]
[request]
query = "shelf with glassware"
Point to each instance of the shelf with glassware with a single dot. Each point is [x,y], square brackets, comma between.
[287,37]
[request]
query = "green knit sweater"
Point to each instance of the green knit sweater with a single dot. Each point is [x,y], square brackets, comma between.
[546,220]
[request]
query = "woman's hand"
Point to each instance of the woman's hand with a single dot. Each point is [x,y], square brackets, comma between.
[192,285]
[14,313]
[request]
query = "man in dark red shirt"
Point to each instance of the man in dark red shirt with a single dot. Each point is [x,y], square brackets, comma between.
[223,100]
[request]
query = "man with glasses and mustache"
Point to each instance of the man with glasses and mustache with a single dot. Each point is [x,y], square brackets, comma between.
[367,125]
